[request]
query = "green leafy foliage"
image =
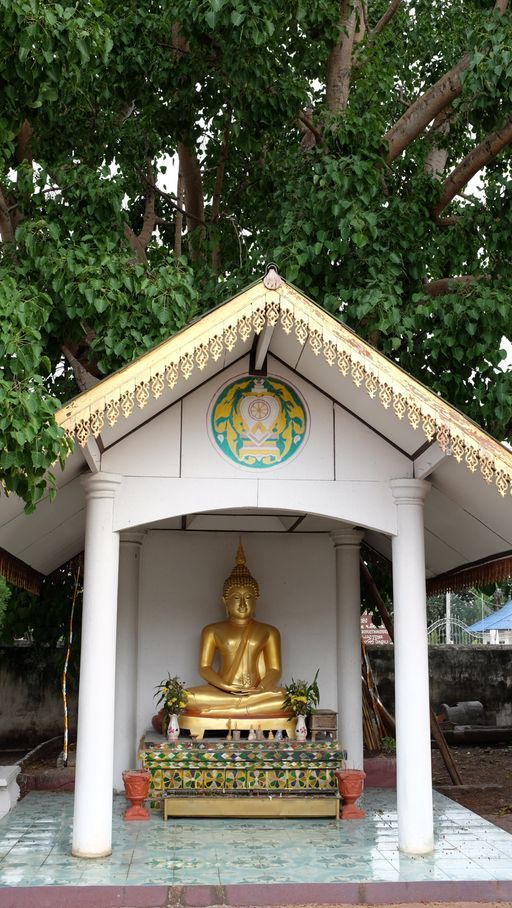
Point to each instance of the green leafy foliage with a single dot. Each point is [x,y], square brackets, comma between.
[44,622]
[5,595]
[98,97]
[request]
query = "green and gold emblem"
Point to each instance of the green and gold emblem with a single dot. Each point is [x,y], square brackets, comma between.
[258,422]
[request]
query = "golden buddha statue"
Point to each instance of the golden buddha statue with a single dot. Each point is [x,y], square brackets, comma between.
[244,684]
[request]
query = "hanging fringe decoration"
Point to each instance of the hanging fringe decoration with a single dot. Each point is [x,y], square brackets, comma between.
[477,575]
[483,573]
[65,748]
[20,574]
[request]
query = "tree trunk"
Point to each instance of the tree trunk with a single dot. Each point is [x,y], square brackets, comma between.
[339,64]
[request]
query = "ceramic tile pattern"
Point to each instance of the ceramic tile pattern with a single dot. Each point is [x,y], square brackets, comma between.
[268,766]
[35,848]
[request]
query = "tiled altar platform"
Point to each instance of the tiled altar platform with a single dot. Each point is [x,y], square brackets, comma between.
[35,851]
[248,770]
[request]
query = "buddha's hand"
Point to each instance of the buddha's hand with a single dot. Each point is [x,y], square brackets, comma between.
[235,689]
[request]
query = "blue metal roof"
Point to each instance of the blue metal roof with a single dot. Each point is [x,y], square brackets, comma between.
[500,620]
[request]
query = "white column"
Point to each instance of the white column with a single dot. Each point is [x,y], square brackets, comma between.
[125,728]
[413,753]
[92,824]
[348,641]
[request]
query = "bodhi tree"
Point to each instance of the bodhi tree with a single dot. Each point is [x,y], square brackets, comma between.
[363,145]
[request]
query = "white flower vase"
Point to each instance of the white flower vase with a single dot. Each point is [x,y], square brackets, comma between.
[301,731]
[173,729]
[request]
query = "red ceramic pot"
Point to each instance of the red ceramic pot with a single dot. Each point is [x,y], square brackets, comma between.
[350,786]
[136,789]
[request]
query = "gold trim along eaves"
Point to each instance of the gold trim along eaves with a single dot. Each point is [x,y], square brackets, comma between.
[176,359]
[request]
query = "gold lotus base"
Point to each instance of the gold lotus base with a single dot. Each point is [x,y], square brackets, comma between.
[197,725]
[261,806]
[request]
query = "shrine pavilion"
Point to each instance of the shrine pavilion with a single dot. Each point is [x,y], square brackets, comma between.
[270,420]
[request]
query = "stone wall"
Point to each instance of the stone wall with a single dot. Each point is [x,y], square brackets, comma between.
[31,699]
[31,708]
[456,673]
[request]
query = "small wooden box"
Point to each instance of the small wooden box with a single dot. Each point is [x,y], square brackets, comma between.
[323,720]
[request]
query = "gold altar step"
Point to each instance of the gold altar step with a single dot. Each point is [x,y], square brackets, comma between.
[247,807]
[197,725]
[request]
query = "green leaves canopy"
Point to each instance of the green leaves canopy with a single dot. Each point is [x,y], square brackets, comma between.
[98,97]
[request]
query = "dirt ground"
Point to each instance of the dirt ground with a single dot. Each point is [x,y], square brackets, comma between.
[487,781]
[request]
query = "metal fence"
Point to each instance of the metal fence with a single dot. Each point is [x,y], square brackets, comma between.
[453,631]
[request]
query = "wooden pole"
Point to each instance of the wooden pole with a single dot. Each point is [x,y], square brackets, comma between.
[436,732]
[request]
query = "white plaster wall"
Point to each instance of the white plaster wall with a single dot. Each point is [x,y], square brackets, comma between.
[363,455]
[153,450]
[180,591]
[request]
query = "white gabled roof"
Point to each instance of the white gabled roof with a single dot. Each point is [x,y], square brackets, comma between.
[466,520]
[304,332]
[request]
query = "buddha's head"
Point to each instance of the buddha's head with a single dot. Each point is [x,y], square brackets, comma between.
[241,590]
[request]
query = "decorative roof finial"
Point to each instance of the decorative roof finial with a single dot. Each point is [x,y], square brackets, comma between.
[272,279]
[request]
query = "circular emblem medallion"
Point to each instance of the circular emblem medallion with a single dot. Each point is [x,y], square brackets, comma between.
[258,422]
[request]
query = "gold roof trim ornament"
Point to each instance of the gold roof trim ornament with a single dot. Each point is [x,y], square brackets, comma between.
[174,361]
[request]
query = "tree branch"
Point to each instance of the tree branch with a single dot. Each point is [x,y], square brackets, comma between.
[472,163]
[339,64]
[83,378]
[429,104]
[194,202]
[135,244]
[178,223]
[139,242]
[221,167]
[172,200]
[6,228]
[217,190]
[437,157]
[303,118]
[424,109]
[23,146]
[148,223]
[445,284]
[383,21]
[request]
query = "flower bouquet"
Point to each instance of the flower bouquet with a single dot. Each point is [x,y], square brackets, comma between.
[171,697]
[301,697]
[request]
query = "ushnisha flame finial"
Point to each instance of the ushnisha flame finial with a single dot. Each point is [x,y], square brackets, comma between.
[240,555]
[272,279]
[241,575]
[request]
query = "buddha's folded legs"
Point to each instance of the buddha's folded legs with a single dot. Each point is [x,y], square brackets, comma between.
[210,701]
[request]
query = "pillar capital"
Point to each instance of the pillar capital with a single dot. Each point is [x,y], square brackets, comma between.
[131,537]
[349,537]
[101,485]
[409,491]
